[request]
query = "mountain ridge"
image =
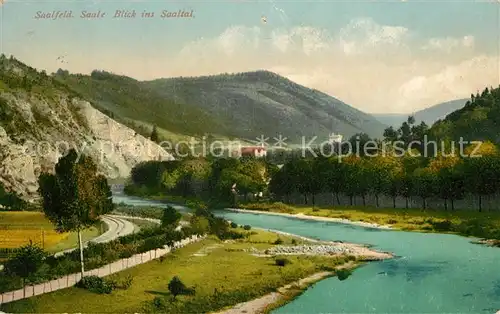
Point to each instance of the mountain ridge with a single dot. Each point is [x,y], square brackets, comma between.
[274,99]
[428,115]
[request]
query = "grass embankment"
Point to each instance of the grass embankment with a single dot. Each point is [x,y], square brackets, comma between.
[18,228]
[467,223]
[223,274]
[143,212]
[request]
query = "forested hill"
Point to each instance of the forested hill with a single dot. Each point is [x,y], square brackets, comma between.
[478,120]
[262,102]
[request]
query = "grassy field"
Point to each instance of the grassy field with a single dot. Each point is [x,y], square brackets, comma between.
[223,274]
[71,240]
[468,223]
[18,228]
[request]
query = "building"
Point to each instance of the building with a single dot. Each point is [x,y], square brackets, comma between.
[255,151]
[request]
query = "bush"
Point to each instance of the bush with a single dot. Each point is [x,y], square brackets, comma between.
[282,262]
[234,225]
[96,284]
[171,217]
[294,242]
[343,274]
[125,283]
[159,303]
[278,241]
[27,263]
[247,227]
[445,225]
[200,225]
[152,244]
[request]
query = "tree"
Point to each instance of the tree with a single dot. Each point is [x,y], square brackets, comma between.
[27,262]
[451,184]
[171,217]
[334,175]
[424,184]
[154,135]
[390,135]
[381,171]
[483,176]
[199,224]
[75,196]
[11,200]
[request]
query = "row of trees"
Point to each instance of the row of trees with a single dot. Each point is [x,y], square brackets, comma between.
[449,177]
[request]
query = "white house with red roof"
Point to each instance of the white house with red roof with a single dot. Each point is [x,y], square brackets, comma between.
[255,151]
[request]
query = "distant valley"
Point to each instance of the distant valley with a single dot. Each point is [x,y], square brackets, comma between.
[428,115]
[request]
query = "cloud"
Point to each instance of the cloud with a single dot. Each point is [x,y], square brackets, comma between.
[449,44]
[375,68]
[363,34]
[452,81]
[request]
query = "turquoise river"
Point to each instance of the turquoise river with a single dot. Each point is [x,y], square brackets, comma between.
[434,273]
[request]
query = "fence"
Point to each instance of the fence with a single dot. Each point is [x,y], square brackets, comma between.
[70,280]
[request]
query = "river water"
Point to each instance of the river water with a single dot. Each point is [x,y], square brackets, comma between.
[434,273]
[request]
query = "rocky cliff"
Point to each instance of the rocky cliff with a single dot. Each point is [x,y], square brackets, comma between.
[40,120]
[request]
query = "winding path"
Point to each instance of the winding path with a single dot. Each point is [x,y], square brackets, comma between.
[117,227]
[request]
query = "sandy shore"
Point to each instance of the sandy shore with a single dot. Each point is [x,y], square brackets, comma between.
[308,217]
[261,304]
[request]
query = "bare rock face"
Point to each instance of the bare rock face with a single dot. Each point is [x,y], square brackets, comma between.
[39,130]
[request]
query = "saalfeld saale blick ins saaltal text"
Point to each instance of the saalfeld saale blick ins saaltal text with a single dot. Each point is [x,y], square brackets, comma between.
[54,15]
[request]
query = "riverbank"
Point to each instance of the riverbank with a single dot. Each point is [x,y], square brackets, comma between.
[307,217]
[485,226]
[284,294]
[209,266]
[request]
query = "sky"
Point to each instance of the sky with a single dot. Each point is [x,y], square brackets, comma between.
[377,56]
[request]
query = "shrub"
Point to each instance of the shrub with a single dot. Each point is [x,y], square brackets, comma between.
[27,263]
[171,217]
[247,227]
[126,282]
[231,235]
[294,241]
[343,274]
[392,221]
[278,241]
[200,224]
[234,225]
[282,262]
[159,303]
[351,258]
[96,284]
[445,225]
[152,244]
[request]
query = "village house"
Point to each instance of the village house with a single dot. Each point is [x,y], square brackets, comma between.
[255,151]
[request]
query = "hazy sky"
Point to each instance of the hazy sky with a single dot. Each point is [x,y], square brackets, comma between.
[377,56]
